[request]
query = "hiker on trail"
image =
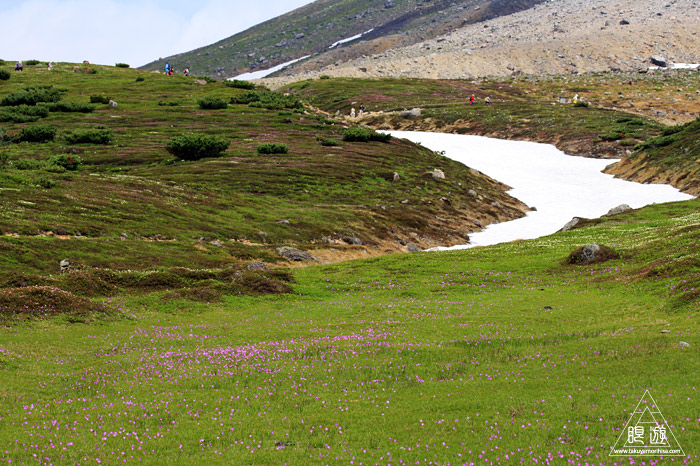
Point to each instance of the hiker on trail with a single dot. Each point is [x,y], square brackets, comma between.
[487,100]
[50,66]
[19,66]
[187,71]
[362,109]
[352,112]
[575,99]
[472,100]
[167,68]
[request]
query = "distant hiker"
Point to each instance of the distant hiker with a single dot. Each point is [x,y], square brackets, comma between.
[50,66]
[472,100]
[352,112]
[187,71]
[167,68]
[19,66]
[575,99]
[487,100]
[362,109]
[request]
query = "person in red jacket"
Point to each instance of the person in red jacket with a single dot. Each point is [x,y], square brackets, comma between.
[472,99]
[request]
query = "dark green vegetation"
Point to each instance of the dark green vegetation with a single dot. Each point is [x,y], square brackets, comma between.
[520,109]
[273,148]
[672,157]
[102,190]
[460,358]
[313,28]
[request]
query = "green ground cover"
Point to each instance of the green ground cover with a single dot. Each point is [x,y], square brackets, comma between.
[486,356]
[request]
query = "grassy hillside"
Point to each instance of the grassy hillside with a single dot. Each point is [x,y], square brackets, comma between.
[313,28]
[499,354]
[624,111]
[131,205]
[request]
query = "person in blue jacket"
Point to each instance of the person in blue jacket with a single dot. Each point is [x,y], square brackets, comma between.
[167,68]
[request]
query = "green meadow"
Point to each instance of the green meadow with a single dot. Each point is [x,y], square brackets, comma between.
[499,355]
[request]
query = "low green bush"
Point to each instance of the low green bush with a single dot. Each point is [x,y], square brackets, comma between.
[32,95]
[45,182]
[28,164]
[238,84]
[581,104]
[212,103]
[89,136]
[122,65]
[273,148]
[659,141]
[67,161]
[196,146]
[324,76]
[23,113]
[4,159]
[5,75]
[171,103]
[99,99]
[611,136]
[71,107]
[32,62]
[42,133]
[327,142]
[268,100]
[140,79]
[364,135]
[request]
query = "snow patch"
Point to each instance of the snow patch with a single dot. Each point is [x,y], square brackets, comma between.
[265,73]
[558,185]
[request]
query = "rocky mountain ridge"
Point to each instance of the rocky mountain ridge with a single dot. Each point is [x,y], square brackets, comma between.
[556,37]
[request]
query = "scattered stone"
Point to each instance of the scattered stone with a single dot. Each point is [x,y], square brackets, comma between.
[624,22]
[284,222]
[216,243]
[478,223]
[413,248]
[665,331]
[437,174]
[533,209]
[294,254]
[405,201]
[397,177]
[257,265]
[472,193]
[496,204]
[124,236]
[684,344]
[65,265]
[113,104]
[659,60]
[592,254]
[622,208]
[571,224]
[352,240]
[413,113]
[200,81]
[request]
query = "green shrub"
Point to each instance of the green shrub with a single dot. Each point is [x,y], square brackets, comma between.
[581,104]
[99,99]
[324,76]
[660,141]
[327,142]
[669,130]
[31,96]
[23,113]
[4,137]
[194,146]
[4,158]
[364,135]
[207,79]
[71,107]
[273,148]
[45,182]
[28,164]
[140,79]
[238,84]
[5,75]
[611,136]
[89,136]
[67,161]
[42,133]
[212,103]
[122,65]
[171,103]
[32,62]
[268,100]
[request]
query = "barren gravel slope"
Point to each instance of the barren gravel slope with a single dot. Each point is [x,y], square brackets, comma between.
[561,36]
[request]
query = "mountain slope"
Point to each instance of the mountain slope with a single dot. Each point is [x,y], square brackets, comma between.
[314,28]
[556,37]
